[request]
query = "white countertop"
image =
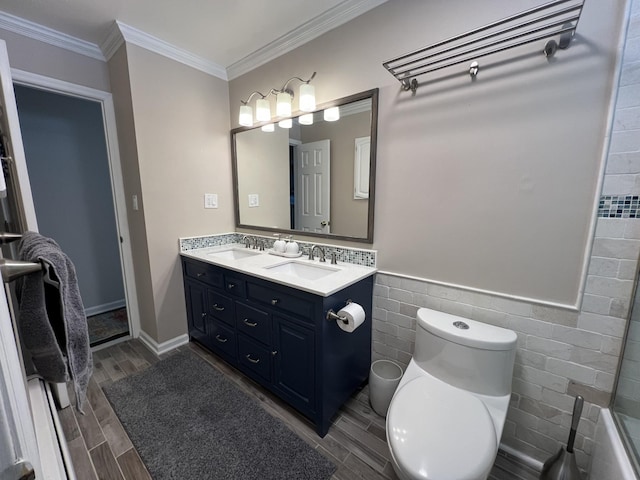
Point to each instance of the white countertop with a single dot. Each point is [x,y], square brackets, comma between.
[341,276]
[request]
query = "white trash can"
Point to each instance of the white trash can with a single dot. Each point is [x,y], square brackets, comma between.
[384,378]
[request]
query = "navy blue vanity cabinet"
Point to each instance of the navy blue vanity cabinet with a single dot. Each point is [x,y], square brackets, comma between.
[279,336]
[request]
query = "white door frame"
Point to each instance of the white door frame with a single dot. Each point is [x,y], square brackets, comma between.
[53,85]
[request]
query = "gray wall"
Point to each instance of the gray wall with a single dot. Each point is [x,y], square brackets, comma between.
[492,181]
[69,172]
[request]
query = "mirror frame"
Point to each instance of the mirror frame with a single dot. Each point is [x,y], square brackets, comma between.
[373,95]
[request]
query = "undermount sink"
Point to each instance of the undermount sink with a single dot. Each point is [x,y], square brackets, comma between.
[234,253]
[302,270]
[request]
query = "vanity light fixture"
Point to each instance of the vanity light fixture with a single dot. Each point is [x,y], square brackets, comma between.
[286,123]
[306,119]
[269,127]
[332,114]
[284,97]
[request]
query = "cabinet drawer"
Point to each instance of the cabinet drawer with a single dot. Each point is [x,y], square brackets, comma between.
[222,338]
[279,300]
[253,322]
[221,307]
[234,285]
[254,358]
[204,273]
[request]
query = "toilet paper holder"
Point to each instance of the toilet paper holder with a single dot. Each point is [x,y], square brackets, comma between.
[332,316]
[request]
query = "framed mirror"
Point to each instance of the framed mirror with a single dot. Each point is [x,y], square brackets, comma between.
[316,178]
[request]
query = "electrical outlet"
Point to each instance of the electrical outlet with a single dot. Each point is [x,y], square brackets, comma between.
[254,200]
[210,200]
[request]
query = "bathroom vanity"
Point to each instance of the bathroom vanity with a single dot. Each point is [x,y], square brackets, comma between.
[267,317]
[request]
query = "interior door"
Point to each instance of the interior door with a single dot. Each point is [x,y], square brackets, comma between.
[18,444]
[312,187]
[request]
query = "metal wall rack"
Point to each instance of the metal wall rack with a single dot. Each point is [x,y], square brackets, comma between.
[557,19]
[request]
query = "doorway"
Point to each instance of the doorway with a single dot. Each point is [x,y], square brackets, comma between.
[66,153]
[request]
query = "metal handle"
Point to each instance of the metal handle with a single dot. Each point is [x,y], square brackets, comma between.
[577,411]
[275,301]
[13,269]
[231,285]
[216,307]
[201,274]
[204,314]
[274,353]
[250,324]
[221,340]
[324,223]
[248,357]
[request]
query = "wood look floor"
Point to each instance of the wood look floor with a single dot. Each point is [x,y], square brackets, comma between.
[101,449]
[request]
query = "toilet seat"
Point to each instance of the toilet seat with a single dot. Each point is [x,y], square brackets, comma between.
[438,432]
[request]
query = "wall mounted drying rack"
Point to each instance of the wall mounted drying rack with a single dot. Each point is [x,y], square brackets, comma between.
[558,18]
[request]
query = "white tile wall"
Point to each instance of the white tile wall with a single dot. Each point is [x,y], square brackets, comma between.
[561,353]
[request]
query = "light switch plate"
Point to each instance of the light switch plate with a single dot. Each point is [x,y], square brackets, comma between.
[210,200]
[254,200]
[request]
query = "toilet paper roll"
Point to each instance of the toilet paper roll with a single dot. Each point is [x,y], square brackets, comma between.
[354,313]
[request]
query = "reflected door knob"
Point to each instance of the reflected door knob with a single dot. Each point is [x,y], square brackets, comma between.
[324,223]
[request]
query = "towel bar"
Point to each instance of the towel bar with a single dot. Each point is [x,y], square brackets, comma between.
[10,270]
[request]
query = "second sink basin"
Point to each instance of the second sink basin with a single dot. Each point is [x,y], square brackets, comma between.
[234,253]
[303,270]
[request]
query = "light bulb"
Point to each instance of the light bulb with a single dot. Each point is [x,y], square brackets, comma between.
[263,110]
[287,123]
[306,119]
[246,116]
[307,98]
[283,104]
[332,114]
[269,127]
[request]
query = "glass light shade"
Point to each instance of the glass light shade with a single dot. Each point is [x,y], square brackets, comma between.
[283,104]
[332,114]
[246,116]
[306,119]
[288,123]
[263,110]
[269,127]
[307,98]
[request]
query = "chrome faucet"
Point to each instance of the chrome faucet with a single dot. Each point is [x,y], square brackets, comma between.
[247,242]
[313,247]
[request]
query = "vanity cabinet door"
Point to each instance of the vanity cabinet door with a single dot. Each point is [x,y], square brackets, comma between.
[294,363]
[196,296]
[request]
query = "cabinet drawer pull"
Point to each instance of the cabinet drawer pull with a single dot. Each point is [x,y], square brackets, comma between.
[274,353]
[248,357]
[201,274]
[218,308]
[250,324]
[221,340]
[231,285]
[204,314]
[275,301]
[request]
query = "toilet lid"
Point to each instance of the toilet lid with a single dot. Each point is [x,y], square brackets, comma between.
[438,432]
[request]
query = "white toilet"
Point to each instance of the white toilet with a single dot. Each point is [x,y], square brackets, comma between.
[446,417]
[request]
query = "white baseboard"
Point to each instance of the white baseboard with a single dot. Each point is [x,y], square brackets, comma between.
[164,347]
[105,307]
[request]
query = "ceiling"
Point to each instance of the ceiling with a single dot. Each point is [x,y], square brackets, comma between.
[222,32]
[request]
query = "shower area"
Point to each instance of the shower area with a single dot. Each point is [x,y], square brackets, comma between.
[625,408]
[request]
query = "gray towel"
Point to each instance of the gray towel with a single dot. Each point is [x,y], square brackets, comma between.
[52,320]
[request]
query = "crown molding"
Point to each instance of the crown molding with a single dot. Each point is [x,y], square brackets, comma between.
[154,44]
[47,35]
[112,42]
[332,18]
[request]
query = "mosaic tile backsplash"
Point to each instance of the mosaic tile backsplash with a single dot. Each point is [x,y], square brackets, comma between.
[619,206]
[355,256]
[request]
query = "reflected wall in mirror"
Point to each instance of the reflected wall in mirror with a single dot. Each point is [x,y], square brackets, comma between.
[314,179]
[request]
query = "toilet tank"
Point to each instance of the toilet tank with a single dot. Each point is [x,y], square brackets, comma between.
[465,353]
